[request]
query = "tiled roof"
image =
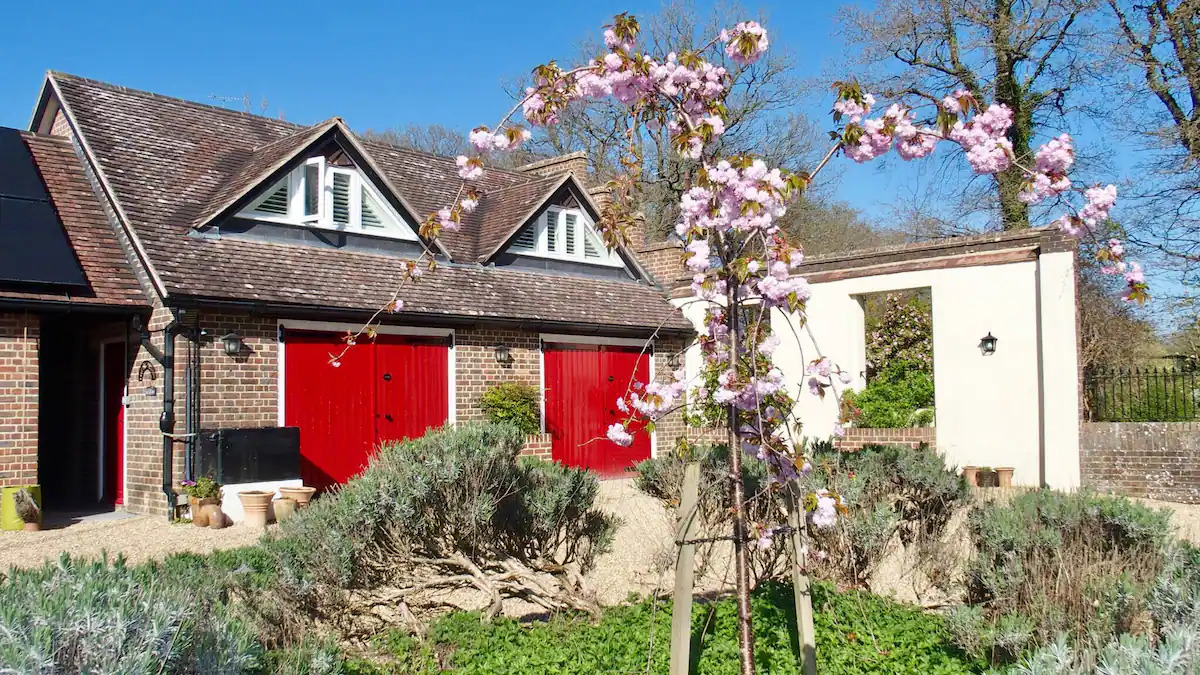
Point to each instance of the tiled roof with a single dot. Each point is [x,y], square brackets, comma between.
[110,280]
[170,163]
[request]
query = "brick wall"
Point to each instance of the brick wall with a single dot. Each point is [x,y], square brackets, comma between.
[538,445]
[663,261]
[19,335]
[1157,460]
[911,437]
[477,370]
[143,440]
[237,391]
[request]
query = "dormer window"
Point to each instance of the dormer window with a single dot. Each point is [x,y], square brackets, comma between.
[317,194]
[565,234]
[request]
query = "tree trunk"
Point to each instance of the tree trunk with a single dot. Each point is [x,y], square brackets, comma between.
[1014,215]
[741,563]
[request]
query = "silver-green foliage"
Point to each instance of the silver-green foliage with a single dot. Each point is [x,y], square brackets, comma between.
[95,617]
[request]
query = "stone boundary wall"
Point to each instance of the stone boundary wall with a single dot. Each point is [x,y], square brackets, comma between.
[912,437]
[1155,460]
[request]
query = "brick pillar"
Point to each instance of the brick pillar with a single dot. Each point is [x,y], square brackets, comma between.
[19,340]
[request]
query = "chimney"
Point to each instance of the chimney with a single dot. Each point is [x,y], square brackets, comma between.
[575,162]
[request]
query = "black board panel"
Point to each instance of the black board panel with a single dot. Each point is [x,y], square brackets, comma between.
[34,248]
[248,455]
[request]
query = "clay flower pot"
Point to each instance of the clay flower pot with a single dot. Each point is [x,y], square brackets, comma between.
[214,515]
[302,494]
[1004,476]
[199,518]
[970,472]
[284,508]
[255,504]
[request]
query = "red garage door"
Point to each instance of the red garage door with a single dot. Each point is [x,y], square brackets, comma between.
[583,383]
[392,388]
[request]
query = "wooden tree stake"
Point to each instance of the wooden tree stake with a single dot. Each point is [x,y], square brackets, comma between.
[801,585]
[685,530]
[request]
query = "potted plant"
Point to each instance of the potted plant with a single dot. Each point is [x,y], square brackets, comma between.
[254,507]
[1004,475]
[28,510]
[302,494]
[987,477]
[971,474]
[202,492]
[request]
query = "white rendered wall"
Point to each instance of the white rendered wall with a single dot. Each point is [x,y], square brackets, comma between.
[987,406]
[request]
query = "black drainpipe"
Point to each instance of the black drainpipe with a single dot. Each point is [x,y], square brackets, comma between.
[166,421]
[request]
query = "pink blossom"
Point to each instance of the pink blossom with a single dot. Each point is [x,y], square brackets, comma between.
[469,168]
[699,260]
[468,204]
[617,434]
[855,110]
[481,139]
[1116,248]
[746,42]
[822,367]
[612,41]
[825,515]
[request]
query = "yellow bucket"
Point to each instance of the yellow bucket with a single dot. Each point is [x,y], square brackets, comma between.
[9,520]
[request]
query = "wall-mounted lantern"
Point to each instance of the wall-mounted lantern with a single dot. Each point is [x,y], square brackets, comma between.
[674,361]
[987,344]
[233,343]
[503,355]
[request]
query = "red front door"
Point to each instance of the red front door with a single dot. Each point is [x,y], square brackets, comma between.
[583,383]
[113,421]
[392,388]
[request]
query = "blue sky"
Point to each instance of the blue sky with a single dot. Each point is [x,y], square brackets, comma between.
[376,63]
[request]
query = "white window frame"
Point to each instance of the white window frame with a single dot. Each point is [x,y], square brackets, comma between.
[584,227]
[394,227]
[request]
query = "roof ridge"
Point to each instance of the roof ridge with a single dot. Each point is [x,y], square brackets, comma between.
[531,180]
[425,153]
[299,133]
[166,97]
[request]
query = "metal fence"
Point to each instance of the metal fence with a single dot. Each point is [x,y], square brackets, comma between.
[1147,394]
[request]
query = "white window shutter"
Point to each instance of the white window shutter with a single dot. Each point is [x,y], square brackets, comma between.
[341,197]
[552,231]
[276,202]
[569,232]
[370,210]
[526,239]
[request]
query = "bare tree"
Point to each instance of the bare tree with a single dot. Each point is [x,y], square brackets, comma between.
[763,119]
[1026,54]
[433,138]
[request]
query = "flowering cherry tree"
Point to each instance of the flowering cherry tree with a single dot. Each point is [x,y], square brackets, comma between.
[743,267]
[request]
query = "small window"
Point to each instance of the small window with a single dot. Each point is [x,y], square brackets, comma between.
[341,197]
[370,210]
[312,190]
[592,247]
[552,231]
[569,232]
[277,202]
[526,239]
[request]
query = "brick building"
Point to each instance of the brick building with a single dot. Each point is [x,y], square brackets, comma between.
[223,257]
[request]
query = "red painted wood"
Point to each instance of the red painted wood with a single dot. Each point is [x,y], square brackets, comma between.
[334,407]
[344,412]
[583,383]
[412,386]
[114,421]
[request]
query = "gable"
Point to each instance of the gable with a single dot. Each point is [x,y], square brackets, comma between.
[326,189]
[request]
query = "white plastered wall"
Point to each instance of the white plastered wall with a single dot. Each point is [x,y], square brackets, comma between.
[994,410]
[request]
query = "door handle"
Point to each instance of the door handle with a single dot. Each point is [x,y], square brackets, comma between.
[387,377]
[388,418]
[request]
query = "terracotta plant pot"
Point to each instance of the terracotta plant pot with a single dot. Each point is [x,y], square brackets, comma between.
[1004,476]
[302,494]
[254,505]
[32,527]
[199,519]
[214,515]
[970,473]
[284,508]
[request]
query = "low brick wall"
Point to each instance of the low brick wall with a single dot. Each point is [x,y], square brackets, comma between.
[1157,460]
[537,445]
[911,437]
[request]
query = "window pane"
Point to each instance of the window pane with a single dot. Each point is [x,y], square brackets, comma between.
[341,198]
[569,235]
[312,189]
[552,231]
[277,203]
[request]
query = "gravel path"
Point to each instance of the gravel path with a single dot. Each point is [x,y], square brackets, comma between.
[139,538]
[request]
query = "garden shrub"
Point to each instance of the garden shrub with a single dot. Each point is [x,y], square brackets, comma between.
[452,509]
[74,616]
[900,396]
[856,633]
[892,492]
[513,403]
[1049,562]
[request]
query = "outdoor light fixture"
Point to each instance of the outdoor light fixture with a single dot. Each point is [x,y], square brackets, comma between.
[674,361]
[503,355]
[987,345]
[233,343]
